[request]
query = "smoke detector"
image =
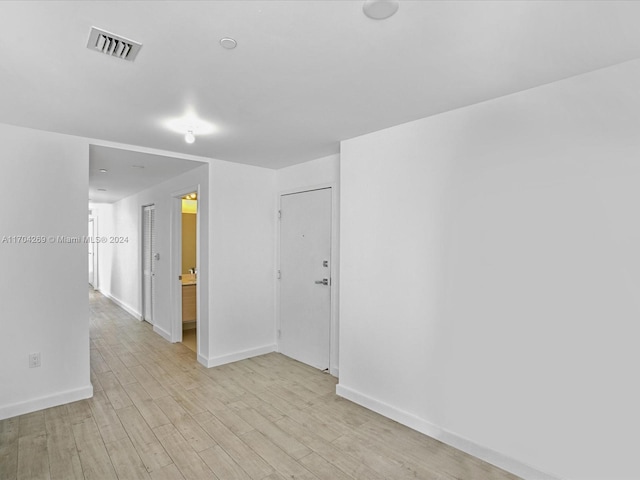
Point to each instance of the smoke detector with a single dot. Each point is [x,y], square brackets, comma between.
[112,45]
[380,9]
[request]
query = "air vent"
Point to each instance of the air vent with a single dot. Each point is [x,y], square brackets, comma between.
[113,45]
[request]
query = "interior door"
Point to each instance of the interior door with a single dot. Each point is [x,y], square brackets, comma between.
[91,248]
[305,277]
[148,261]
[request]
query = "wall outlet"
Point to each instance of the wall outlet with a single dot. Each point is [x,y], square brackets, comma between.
[34,360]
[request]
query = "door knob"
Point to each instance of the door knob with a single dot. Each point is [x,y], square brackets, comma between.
[324,281]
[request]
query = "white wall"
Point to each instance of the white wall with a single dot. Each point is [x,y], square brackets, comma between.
[119,265]
[297,178]
[43,287]
[316,172]
[242,270]
[490,288]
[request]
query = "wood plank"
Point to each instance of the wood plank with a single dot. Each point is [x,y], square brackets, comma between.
[248,459]
[126,461]
[186,459]
[185,424]
[79,411]
[271,431]
[114,391]
[151,413]
[169,472]
[322,468]
[149,382]
[276,457]
[64,460]
[151,452]
[106,418]
[220,463]
[94,458]
[33,461]
[32,424]
[9,435]
[336,456]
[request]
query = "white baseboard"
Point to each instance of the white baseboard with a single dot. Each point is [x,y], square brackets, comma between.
[162,332]
[202,360]
[236,356]
[127,308]
[40,403]
[412,421]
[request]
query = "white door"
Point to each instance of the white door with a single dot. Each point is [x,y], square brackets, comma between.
[148,261]
[91,247]
[305,277]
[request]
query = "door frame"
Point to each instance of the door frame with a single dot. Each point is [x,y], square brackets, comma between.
[176,264]
[335,271]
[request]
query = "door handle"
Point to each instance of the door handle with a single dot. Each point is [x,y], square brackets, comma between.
[324,281]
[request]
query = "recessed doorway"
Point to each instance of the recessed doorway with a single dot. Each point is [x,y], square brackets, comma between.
[189,271]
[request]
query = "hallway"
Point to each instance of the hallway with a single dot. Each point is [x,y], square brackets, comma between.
[158,414]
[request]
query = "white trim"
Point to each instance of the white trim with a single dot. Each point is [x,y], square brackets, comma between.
[412,421]
[236,356]
[40,403]
[335,268]
[162,332]
[127,308]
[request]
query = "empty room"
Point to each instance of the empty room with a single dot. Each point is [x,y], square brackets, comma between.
[323,239]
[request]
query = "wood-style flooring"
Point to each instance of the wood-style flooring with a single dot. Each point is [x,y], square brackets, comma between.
[158,414]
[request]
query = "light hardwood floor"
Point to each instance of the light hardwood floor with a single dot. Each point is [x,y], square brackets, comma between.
[189,339]
[158,414]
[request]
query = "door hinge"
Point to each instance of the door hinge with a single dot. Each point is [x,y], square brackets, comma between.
[279,213]
[279,333]
[279,275]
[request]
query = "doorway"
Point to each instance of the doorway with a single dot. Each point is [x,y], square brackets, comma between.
[189,271]
[91,246]
[305,277]
[148,261]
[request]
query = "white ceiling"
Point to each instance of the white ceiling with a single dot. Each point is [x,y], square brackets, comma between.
[305,74]
[129,172]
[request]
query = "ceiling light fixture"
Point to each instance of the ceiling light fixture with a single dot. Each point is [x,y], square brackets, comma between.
[102,189]
[103,170]
[189,126]
[380,9]
[228,43]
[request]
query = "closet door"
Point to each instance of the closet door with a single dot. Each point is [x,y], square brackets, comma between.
[148,261]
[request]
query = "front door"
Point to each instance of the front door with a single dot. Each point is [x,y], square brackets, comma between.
[305,277]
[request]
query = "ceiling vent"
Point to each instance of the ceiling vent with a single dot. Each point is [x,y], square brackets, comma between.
[113,45]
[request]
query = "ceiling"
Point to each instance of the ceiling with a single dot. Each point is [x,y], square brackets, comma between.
[305,74]
[129,172]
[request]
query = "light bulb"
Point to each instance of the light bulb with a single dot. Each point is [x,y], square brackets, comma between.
[190,137]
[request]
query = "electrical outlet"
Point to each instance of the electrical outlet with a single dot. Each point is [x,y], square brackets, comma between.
[34,360]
